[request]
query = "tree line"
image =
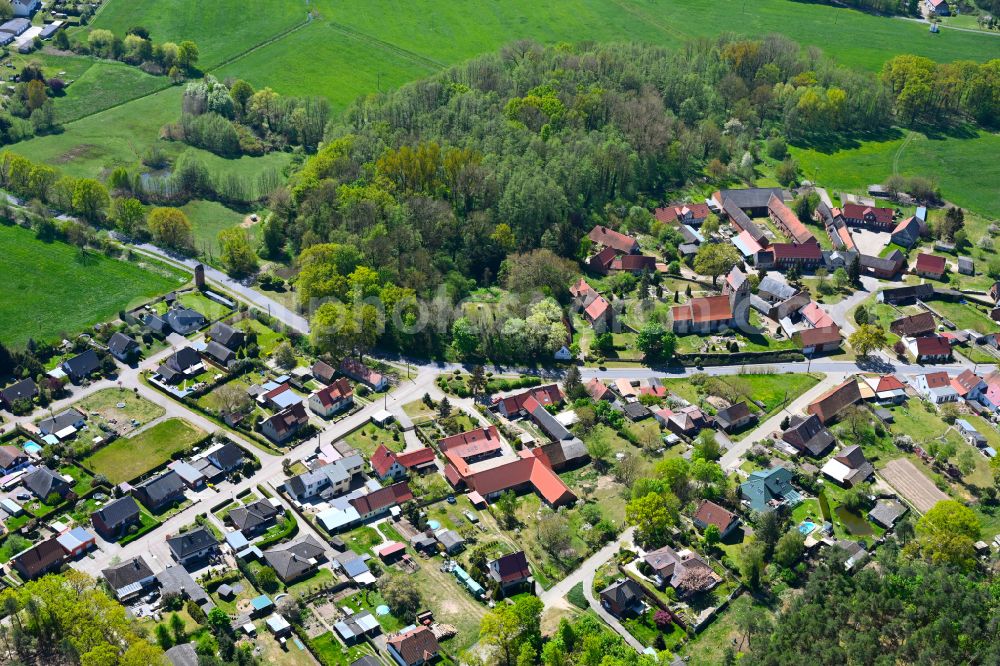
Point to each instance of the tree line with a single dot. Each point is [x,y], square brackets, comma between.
[137,48]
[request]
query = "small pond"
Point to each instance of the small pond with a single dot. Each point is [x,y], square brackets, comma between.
[855,523]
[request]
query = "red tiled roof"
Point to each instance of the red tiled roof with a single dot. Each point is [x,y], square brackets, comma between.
[854,211]
[421,456]
[597,309]
[789,220]
[612,239]
[807,251]
[965,382]
[389,496]
[816,316]
[288,418]
[581,288]
[930,263]
[544,395]
[275,392]
[888,383]
[937,379]
[932,345]
[918,324]
[597,389]
[382,460]
[468,444]
[604,258]
[703,309]
[828,405]
[633,262]
[335,392]
[355,368]
[416,646]
[698,211]
[711,513]
[810,337]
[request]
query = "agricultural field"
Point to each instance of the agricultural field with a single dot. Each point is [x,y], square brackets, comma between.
[65,290]
[127,458]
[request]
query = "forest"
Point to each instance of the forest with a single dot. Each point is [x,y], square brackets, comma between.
[456,180]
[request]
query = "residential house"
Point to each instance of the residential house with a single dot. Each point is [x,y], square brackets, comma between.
[938,7]
[935,387]
[219,354]
[929,348]
[323,372]
[278,396]
[520,404]
[765,490]
[227,457]
[990,396]
[12,459]
[183,654]
[886,512]
[635,264]
[818,340]
[282,426]
[735,417]
[870,217]
[227,336]
[26,389]
[388,464]
[81,366]
[253,519]
[182,364]
[42,558]
[885,389]
[295,560]
[930,266]
[831,403]
[604,237]
[966,266]
[907,232]
[703,315]
[113,520]
[157,325]
[192,545]
[379,502]
[510,571]
[683,570]
[849,468]
[687,421]
[691,214]
[788,222]
[332,399]
[710,513]
[160,491]
[968,385]
[636,411]
[906,295]
[413,647]
[129,579]
[921,323]
[185,320]
[623,598]
[43,482]
[64,424]
[601,261]
[598,390]
[599,314]
[808,435]
[334,477]
[360,372]
[123,347]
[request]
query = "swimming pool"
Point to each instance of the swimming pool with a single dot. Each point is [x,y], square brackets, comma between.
[31,447]
[807,526]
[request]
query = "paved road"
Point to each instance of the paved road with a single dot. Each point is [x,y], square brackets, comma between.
[257,299]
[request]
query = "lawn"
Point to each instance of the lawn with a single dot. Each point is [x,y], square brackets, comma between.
[362,539]
[331,652]
[208,218]
[965,315]
[367,438]
[128,458]
[708,648]
[52,289]
[965,168]
[646,631]
[102,86]
[120,405]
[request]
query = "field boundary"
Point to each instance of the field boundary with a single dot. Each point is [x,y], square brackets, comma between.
[412,56]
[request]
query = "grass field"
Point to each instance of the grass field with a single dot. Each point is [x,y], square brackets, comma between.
[104,85]
[965,168]
[52,289]
[126,459]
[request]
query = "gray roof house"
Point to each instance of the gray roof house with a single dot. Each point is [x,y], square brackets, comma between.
[764,490]
[253,518]
[185,320]
[227,457]
[451,540]
[227,336]
[160,491]
[122,347]
[192,545]
[179,364]
[69,418]
[294,560]
[114,518]
[82,365]
[886,512]
[26,389]
[129,578]
[43,482]
[219,353]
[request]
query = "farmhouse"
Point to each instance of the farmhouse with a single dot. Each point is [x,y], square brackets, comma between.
[692,214]
[788,221]
[906,295]
[818,340]
[606,238]
[884,268]
[907,232]
[785,255]
[739,220]
[929,348]
[831,403]
[870,217]
[752,201]
[914,325]
[930,266]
